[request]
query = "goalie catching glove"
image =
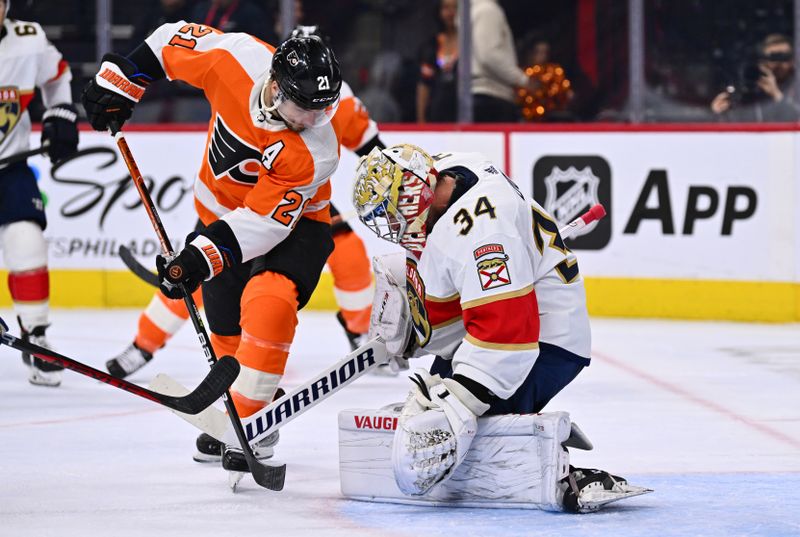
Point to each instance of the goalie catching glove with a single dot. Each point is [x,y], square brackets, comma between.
[203,258]
[434,432]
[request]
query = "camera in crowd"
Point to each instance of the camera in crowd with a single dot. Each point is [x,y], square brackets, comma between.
[746,89]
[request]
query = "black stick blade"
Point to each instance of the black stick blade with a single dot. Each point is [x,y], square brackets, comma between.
[216,383]
[269,477]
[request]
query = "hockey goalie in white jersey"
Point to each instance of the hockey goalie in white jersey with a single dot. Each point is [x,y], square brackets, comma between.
[490,289]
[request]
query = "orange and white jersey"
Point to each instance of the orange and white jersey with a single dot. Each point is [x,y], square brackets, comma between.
[257,175]
[357,127]
[496,280]
[27,61]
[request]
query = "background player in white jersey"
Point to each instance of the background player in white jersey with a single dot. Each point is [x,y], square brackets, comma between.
[27,61]
[489,287]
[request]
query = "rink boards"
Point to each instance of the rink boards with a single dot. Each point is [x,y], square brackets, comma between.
[702,222]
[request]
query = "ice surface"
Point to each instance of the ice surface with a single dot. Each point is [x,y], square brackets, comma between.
[707,414]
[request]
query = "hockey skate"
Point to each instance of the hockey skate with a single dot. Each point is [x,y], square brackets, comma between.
[41,373]
[131,360]
[233,458]
[587,490]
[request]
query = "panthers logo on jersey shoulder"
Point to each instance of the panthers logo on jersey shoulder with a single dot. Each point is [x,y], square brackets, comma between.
[10,109]
[415,290]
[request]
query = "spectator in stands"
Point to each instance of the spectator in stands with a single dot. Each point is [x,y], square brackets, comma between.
[165,11]
[437,98]
[495,73]
[378,95]
[236,16]
[765,88]
[565,92]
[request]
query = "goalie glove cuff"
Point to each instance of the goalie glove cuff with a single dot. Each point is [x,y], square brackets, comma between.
[467,398]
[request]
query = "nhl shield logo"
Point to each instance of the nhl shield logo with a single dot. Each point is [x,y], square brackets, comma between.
[578,192]
[10,109]
[569,185]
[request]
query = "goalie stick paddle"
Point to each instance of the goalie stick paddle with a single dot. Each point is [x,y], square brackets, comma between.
[290,405]
[210,389]
[270,477]
[137,268]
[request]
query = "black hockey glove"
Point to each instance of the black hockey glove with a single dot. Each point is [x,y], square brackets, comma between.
[200,260]
[60,131]
[113,92]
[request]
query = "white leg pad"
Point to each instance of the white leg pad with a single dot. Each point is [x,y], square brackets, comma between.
[515,461]
[24,246]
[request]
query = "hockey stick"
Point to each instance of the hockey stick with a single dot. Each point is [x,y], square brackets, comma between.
[291,405]
[210,389]
[25,154]
[137,268]
[597,212]
[213,422]
[270,477]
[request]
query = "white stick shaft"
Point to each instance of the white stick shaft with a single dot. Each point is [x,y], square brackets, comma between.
[311,393]
[597,212]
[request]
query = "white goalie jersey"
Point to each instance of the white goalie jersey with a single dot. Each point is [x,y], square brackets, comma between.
[494,280]
[27,61]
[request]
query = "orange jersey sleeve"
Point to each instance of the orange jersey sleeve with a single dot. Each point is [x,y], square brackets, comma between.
[357,127]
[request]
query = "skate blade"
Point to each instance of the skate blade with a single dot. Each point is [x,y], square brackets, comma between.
[233,479]
[39,378]
[593,499]
[204,458]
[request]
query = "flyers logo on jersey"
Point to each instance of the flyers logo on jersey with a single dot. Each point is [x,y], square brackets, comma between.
[493,271]
[230,156]
[10,109]
[415,290]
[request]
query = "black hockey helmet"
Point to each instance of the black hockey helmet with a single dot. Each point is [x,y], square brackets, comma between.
[307,72]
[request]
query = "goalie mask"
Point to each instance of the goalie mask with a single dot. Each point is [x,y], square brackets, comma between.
[393,193]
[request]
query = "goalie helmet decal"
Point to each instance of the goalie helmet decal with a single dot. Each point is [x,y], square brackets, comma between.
[393,192]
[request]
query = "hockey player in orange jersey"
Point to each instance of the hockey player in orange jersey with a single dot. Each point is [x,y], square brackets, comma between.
[349,264]
[262,190]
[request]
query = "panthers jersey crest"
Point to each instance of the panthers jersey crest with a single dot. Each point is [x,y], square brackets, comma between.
[415,290]
[10,109]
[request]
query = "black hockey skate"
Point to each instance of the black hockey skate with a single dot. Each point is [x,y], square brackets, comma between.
[41,373]
[131,360]
[587,490]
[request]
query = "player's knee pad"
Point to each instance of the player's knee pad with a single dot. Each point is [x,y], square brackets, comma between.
[24,246]
[268,321]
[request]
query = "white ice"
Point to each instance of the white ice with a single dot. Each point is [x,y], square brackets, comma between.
[707,414]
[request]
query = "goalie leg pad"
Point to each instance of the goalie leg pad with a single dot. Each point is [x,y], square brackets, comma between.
[514,461]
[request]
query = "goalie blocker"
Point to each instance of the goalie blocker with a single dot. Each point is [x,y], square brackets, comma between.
[515,461]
